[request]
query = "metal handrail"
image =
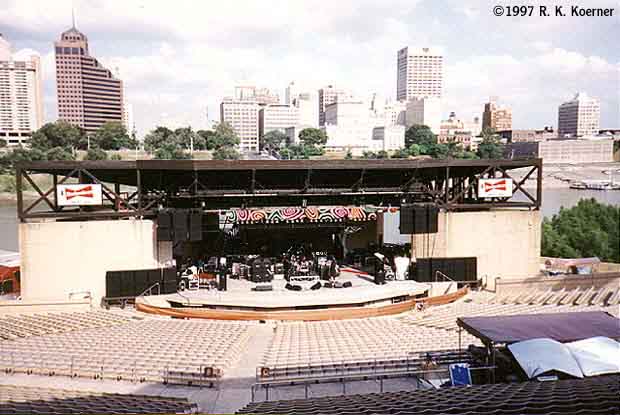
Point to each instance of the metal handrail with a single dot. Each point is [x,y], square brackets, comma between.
[149,290]
[72,293]
[437,272]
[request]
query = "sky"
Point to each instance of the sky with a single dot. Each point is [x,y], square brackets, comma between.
[178,59]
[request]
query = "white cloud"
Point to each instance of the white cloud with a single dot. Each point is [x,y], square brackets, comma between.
[176,59]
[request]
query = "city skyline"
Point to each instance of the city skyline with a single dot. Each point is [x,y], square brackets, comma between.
[172,73]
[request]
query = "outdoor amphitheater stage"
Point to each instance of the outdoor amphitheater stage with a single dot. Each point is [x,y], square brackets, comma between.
[363,299]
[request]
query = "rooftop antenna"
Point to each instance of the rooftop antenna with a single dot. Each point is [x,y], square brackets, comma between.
[73,17]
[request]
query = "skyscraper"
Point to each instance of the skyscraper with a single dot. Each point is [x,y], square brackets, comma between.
[419,74]
[242,116]
[88,94]
[21,106]
[579,117]
[496,116]
[328,95]
[424,111]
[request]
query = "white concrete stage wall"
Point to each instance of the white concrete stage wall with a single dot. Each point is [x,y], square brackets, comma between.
[63,257]
[506,242]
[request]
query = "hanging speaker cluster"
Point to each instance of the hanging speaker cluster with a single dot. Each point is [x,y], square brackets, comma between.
[179,225]
[419,218]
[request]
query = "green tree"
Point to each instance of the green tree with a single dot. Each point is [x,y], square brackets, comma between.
[226,153]
[112,136]
[414,150]
[59,153]
[349,155]
[490,147]
[313,137]
[20,154]
[58,134]
[588,229]
[184,137]
[274,140]
[207,135]
[171,151]
[420,135]
[224,136]
[95,153]
[2,143]
[116,157]
[157,138]
[401,153]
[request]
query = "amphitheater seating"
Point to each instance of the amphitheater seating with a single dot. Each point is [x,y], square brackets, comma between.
[582,396]
[354,341]
[521,302]
[145,350]
[23,325]
[28,400]
[359,369]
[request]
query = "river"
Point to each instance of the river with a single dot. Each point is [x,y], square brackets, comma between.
[553,199]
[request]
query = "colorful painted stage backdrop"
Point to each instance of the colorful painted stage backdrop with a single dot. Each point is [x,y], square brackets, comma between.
[309,214]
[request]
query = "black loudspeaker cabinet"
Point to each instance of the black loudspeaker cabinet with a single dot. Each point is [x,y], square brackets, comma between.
[128,287]
[141,280]
[169,274]
[195,226]
[419,218]
[347,284]
[154,276]
[164,226]
[113,284]
[169,286]
[180,222]
[406,219]
[222,282]
[380,277]
[433,219]
[458,269]
[211,222]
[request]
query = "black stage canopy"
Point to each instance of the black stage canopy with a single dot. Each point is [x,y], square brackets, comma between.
[139,187]
[562,327]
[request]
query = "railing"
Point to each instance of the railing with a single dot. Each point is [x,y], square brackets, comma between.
[377,370]
[149,290]
[73,366]
[437,272]
[72,293]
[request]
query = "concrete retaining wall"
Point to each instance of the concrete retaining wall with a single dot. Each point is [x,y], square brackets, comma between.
[506,242]
[59,258]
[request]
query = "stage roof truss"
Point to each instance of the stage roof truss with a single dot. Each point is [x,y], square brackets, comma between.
[139,188]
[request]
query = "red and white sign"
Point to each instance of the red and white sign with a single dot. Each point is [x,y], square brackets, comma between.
[495,187]
[79,194]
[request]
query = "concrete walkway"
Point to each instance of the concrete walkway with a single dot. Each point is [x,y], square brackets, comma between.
[234,391]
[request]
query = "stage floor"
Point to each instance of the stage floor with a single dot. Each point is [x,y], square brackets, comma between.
[240,295]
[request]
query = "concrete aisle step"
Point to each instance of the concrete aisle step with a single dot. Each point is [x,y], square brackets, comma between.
[234,391]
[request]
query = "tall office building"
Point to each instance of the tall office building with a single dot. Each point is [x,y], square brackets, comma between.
[495,116]
[328,95]
[242,116]
[277,117]
[419,74]
[21,105]
[263,96]
[424,111]
[89,95]
[579,117]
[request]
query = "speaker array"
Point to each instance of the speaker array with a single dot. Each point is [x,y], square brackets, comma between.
[182,225]
[132,283]
[419,218]
[459,269]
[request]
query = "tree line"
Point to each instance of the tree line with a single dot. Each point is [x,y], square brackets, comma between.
[588,229]
[421,141]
